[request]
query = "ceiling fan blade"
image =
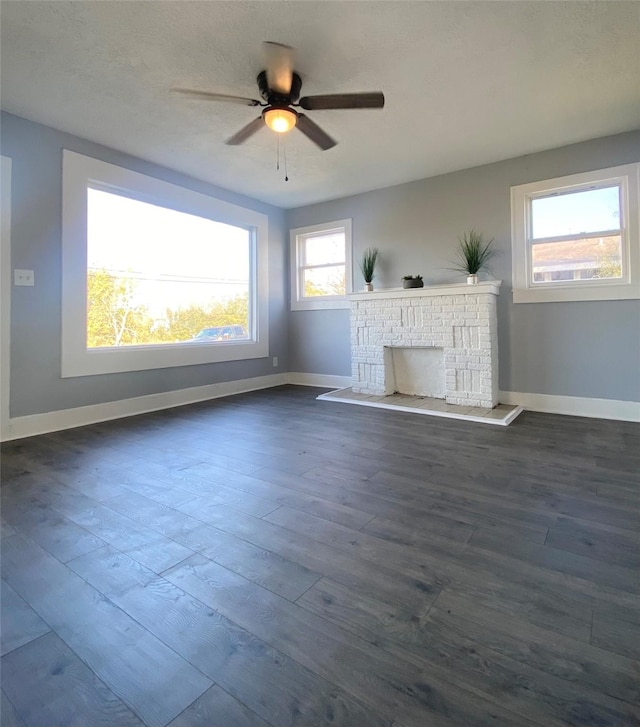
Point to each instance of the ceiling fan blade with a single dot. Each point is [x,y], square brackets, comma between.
[206,96]
[249,130]
[315,133]
[343,101]
[279,66]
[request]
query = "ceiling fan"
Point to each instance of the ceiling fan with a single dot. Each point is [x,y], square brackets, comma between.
[280,87]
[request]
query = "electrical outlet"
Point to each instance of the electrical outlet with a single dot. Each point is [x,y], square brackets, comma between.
[23,277]
[275,362]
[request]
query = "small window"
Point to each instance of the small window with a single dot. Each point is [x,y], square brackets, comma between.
[321,266]
[576,238]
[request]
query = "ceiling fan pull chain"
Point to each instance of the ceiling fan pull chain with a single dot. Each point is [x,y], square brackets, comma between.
[284,149]
[278,153]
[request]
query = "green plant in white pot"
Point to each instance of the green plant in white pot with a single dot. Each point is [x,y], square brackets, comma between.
[368,264]
[474,255]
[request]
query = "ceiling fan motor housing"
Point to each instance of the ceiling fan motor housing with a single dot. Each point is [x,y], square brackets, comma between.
[279,99]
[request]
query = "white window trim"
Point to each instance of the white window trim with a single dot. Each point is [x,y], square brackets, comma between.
[328,301]
[628,176]
[5,294]
[77,360]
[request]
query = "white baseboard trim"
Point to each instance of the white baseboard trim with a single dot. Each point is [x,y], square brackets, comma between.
[53,421]
[324,380]
[626,411]
[34,424]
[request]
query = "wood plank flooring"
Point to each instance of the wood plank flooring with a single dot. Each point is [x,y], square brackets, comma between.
[270,560]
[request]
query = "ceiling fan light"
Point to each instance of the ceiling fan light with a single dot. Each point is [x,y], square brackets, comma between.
[280,120]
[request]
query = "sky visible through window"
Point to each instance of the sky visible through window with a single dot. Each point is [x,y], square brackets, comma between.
[593,210]
[325,248]
[325,254]
[583,256]
[177,259]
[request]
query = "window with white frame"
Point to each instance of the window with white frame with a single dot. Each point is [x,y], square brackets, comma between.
[321,266]
[576,237]
[155,275]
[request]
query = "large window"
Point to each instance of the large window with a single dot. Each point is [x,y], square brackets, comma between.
[321,266]
[576,238]
[155,275]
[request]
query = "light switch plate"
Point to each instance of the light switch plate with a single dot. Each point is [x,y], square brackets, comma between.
[23,277]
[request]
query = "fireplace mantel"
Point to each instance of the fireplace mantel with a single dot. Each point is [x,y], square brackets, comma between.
[459,319]
[488,286]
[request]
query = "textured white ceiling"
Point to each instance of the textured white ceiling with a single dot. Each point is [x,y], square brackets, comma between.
[466,83]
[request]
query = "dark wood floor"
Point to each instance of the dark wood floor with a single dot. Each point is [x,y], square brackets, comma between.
[269,559]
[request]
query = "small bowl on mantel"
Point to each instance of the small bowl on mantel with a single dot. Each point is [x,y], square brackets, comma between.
[412,281]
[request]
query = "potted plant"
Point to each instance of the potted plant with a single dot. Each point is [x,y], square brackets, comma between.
[412,281]
[368,266]
[473,255]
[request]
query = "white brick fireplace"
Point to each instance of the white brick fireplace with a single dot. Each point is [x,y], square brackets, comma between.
[455,326]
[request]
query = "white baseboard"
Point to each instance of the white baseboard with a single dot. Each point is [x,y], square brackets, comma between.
[53,421]
[324,380]
[34,424]
[626,411]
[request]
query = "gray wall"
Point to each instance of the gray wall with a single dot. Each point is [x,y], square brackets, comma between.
[577,349]
[36,385]
[585,349]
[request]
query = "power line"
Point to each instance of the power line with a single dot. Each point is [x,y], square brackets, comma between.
[171,278]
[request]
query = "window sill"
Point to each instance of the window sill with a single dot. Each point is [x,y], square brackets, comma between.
[91,362]
[325,304]
[567,294]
